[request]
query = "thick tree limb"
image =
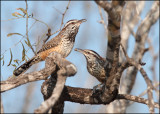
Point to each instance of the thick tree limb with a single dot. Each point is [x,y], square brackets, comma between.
[65,69]
[84,96]
[114,10]
[43,74]
[130,18]
[109,91]
[14,82]
[49,103]
[78,93]
[47,89]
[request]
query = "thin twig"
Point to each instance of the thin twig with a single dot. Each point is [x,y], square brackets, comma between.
[65,13]
[147,80]
[136,99]
[102,20]
[18,41]
[49,30]
[27,27]
[40,21]
[12,19]
[48,36]
[143,93]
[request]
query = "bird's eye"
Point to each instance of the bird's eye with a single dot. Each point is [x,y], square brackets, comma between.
[73,27]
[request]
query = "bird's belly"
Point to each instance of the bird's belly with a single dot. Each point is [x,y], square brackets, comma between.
[63,49]
[46,53]
[97,73]
[93,71]
[66,49]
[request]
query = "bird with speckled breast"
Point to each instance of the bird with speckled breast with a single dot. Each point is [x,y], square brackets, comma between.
[95,64]
[62,43]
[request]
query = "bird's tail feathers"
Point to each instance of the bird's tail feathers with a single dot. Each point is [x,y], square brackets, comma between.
[26,65]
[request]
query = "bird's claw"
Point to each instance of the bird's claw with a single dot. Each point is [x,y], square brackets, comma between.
[97,89]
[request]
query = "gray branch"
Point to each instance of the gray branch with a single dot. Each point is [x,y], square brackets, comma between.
[65,69]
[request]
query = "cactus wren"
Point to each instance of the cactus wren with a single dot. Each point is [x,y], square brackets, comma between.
[62,43]
[95,64]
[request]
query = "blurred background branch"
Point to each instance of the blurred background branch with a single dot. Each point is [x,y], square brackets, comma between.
[139,31]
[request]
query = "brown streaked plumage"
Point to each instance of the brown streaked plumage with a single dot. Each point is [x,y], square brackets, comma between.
[62,43]
[95,64]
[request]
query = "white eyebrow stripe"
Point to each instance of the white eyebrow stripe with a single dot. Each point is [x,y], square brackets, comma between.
[70,21]
[94,53]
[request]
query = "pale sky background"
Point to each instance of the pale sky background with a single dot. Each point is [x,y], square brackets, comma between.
[91,36]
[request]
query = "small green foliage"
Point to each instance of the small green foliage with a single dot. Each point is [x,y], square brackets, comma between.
[18,14]
[16,61]
[11,58]
[10,34]
[14,14]
[23,52]
[14,65]
[23,10]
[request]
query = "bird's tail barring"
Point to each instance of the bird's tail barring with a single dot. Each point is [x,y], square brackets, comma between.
[26,65]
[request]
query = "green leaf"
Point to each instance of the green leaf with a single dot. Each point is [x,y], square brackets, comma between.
[11,58]
[23,52]
[2,58]
[14,14]
[14,65]
[18,14]
[16,61]
[10,34]
[23,10]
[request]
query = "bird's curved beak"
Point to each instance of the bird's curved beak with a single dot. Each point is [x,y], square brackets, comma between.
[80,22]
[83,20]
[79,50]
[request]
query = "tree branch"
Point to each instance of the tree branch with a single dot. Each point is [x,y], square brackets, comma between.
[84,96]
[43,74]
[14,82]
[49,103]
[27,28]
[148,81]
[114,10]
[65,69]
[136,99]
